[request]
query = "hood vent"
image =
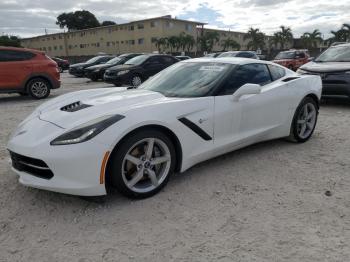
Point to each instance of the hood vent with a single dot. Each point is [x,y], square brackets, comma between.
[73,107]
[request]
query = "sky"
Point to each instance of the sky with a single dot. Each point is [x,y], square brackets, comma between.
[27,18]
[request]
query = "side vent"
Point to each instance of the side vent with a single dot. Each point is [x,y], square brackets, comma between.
[290,78]
[73,107]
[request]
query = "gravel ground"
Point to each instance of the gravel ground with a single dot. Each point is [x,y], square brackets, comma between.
[267,202]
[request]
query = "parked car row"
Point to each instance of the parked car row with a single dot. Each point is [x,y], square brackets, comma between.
[124,70]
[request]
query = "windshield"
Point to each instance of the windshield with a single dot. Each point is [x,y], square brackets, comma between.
[335,54]
[285,55]
[93,60]
[228,54]
[138,60]
[113,61]
[187,79]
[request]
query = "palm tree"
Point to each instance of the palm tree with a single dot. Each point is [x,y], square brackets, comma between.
[159,43]
[283,36]
[189,42]
[208,40]
[275,39]
[172,42]
[346,31]
[257,39]
[311,40]
[230,43]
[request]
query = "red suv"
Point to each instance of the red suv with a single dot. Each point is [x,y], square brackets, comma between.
[27,71]
[292,59]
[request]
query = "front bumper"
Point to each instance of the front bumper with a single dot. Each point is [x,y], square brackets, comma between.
[76,72]
[122,80]
[75,168]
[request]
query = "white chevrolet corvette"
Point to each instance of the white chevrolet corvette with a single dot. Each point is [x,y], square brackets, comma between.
[84,142]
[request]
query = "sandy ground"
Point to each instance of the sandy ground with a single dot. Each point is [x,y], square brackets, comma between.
[263,203]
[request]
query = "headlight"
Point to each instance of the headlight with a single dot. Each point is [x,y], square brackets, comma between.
[122,72]
[301,71]
[86,131]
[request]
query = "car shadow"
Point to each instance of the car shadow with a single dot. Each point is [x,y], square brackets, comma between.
[336,101]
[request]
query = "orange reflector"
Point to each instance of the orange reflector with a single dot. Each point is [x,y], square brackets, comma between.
[103,167]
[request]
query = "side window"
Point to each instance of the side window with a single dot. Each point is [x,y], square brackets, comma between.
[276,72]
[154,60]
[246,55]
[250,73]
[302,55]
[167,60]
[11,55]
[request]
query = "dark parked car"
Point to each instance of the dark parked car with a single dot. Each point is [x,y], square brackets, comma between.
[246,54]
[333,65]
[61,63]
[78,69]
[183,57]
[138,69]
[96,72]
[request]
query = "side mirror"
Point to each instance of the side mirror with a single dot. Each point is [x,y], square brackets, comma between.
[247,89]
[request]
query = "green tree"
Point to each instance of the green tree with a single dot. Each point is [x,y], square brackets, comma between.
[257,39]
[310,40]
[172,42]
[231,44]
[189,42]
[282,37]
[77,20]
[6,40]
[105,23]
[208,40]
[160,43]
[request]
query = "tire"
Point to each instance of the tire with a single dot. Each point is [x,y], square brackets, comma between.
[136,80]
[38,88]
[132,178]
[23,93]
[304,122]
[93,78]
[60,69]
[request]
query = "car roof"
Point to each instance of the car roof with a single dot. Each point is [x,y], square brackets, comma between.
[229,60]
[21,49]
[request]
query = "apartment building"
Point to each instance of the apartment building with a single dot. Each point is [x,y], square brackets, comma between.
[137,36]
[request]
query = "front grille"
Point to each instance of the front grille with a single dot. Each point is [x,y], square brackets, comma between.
[73,107]
[32,166]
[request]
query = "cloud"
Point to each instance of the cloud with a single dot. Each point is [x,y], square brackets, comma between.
[27,18]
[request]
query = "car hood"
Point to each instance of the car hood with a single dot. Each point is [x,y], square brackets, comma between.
[122,67]
[91,104]
[78,65]
[100,66]
[323,67]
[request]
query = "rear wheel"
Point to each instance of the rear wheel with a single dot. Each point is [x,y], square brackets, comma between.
[142,164]
[38,88]
[304,121]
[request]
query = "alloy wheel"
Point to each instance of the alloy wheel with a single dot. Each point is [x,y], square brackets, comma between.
[306,120]
[146,165]
[136,81]
[39,89]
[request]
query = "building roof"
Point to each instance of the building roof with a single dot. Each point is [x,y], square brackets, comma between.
[167,17]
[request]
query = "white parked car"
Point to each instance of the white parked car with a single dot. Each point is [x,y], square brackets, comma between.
[84,142]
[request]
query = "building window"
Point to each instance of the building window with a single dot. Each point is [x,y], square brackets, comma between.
[48,39]
[131,42]
[169,24]
[107,44]
[61,47]
[44,48]
[140,26]
[70,46]
[122,42]
[154,39]
[188,27]
[98,44]
[50,48]
[154,24]
[141,41]
[54,38]
[55,47]
[131,28]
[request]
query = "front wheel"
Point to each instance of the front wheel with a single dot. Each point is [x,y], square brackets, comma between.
[38,88]
[304,121]
[136,80]
[142,164]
